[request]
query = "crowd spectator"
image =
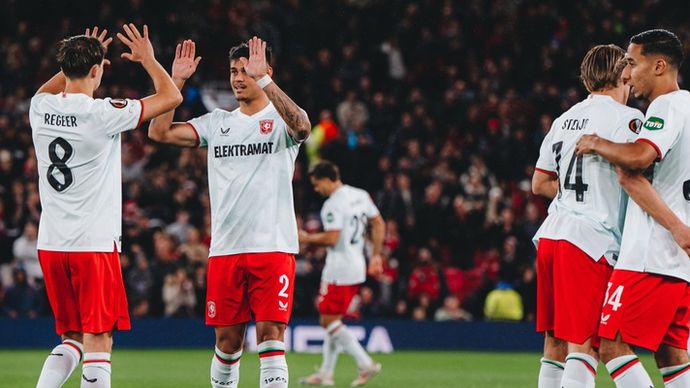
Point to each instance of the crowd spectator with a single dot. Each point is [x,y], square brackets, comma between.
[437,108]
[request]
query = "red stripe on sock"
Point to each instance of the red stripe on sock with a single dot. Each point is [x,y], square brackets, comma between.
[94,361]
[272,353]
[75,348]
[624,368]
[227,362]
[589,367]
[676,374]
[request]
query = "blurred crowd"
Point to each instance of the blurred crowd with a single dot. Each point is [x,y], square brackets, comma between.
[437,108]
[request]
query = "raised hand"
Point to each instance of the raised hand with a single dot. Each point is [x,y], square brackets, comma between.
[185,63]
[256,67]
[141,46]
[101,38]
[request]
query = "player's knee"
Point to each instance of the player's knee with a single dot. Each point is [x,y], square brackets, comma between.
[74,336]
[228,342]
[613,349]
[669,356]
[270,331]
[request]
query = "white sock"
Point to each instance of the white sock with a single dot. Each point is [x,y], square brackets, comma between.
[96,370]
[628,372]
[550,374]
[580,371]
[676,376]
[225,369]
[274,369]
[60,364]
[330,356]
[341,336]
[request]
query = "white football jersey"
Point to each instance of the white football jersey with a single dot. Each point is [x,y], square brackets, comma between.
[348,210]
[647,246]
[251,161]
[590,204]
[77,142]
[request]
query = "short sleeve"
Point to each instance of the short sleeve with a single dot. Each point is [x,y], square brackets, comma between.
[546,163]
[35,107]
[659,129]
[202,128]
[332,218]
[121,114]
[371,210]
[629,126]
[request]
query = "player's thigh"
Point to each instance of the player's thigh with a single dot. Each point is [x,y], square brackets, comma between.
[97,282]
[271,285]
[335,299]
[226,291]
[643,308]
[61,296]
[545,286]
[579,287]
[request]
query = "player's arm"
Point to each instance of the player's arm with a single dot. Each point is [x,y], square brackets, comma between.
[256,67]
[167,95]
[378,232]
[327,238]
[545,183]
[630,156]
[162,129]
[58,82]
[644,194]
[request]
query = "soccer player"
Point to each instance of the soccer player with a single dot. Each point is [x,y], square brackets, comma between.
[647,298]
[77,142]
[579,240]
[251,159]
[346,215]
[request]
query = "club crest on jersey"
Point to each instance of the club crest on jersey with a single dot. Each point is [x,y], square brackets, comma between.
[635,125]
[118,103]
[265,126]
[211,309]
[654,123]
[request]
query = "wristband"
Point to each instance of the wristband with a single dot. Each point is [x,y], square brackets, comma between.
[264,81]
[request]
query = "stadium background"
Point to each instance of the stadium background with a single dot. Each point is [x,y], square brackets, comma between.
[437,108]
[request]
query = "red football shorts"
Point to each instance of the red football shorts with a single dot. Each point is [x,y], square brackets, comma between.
[647,309]
[85,291]
[570,291]
[335,299]
[240,285]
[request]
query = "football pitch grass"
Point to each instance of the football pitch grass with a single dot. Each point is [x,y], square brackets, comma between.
[402,369]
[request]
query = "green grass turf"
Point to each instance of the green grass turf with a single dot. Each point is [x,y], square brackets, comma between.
[189,368]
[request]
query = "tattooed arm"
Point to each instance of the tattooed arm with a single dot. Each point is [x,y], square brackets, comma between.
[257,67]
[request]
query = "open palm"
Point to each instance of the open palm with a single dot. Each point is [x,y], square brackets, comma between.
[185,63]
[257,66]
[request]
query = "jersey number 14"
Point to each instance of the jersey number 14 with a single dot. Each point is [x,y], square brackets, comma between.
[576,162]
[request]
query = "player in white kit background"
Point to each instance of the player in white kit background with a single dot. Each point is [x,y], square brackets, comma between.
[251,160]
[648,298]
[77,142]
[346,216]
[578,242]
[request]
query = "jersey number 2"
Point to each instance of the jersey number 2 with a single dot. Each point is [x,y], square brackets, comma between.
[59,163]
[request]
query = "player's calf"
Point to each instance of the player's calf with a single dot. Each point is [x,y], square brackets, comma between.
[60,364]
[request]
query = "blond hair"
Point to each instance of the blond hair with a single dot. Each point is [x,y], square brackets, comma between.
[602,67]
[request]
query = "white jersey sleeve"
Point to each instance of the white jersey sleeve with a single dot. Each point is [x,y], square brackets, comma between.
[202,125]
[332,217]
[546,162]
[371,210]
[629,126]
[120,115]
[660,129]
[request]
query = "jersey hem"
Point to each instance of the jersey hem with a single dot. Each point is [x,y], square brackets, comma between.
[654,272]
[141,114]
[109,249]
[196,133]
[252,250]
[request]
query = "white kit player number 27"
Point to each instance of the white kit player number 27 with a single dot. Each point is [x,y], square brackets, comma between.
[59,163]
[579,187]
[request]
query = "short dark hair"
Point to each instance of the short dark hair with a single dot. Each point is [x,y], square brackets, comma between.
[242,50]
[662,42]
[325,169]
[602,67]
[76,55]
